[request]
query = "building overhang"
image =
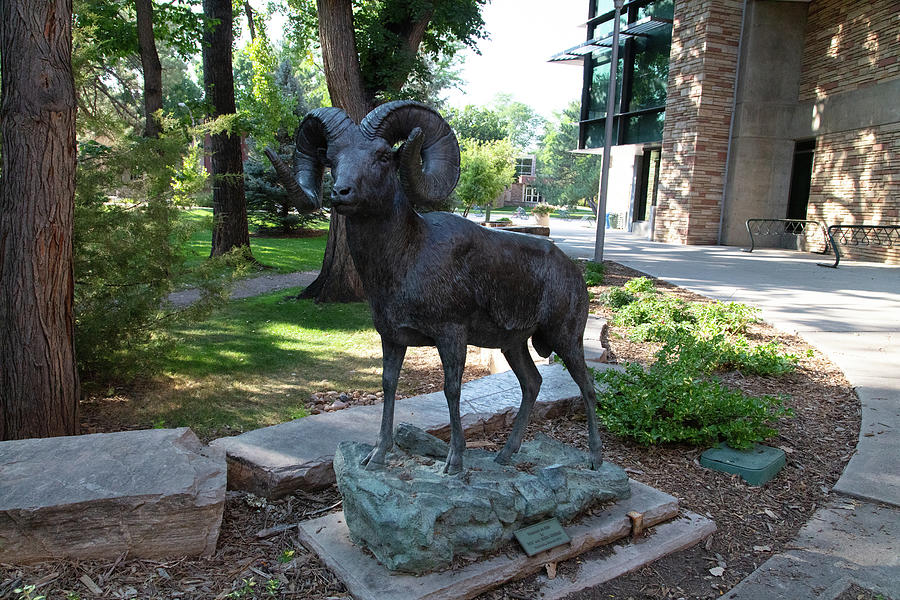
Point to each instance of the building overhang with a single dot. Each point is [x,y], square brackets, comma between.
[575,55]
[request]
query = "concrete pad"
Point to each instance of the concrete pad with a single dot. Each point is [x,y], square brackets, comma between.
[872,472]
[366,579]
[848,543]
[274,461]
[152,494]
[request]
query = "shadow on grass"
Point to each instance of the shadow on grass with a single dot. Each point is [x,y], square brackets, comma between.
[270,333]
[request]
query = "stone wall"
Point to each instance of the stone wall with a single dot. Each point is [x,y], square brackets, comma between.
[851,65]
[855,180]
[850,44]
[702,64]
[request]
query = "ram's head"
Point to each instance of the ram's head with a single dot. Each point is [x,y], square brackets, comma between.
[366,167]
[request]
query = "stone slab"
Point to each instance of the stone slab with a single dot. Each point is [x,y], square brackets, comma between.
[664,539]
[274,461]
[329,538]
[850,542]
[151,494]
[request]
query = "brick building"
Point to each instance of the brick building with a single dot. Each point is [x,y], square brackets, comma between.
[735,109]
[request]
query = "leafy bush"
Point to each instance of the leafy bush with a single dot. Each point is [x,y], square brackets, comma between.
[672,402]
[127,249]
[655,317]
[593,273]
[639,285]
[618,297]
[726,317]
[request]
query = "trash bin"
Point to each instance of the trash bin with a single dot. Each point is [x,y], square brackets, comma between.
[612,220]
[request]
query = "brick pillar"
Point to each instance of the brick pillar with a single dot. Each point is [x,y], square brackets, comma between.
[702,66]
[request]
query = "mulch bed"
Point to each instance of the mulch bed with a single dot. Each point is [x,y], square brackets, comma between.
[753,522]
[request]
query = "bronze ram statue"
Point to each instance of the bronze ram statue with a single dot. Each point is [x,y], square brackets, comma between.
[438,279]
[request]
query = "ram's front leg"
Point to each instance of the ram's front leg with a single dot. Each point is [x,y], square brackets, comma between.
[393,359]
[453,356]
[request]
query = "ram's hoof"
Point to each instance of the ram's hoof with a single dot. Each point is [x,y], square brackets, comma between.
[373,461]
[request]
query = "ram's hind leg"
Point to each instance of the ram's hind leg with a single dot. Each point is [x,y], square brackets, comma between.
[573,357]
[453,357]
[392,361]
[530,381]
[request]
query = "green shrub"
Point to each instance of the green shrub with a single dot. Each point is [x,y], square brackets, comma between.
[127,252]
[618,297]
[655,317]
[639,285]
[593,273]
[725,317]
[672,402]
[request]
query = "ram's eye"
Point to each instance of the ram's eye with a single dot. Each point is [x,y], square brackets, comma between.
[384,158]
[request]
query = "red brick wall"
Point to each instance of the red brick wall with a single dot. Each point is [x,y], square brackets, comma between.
[849,44]
[856,180]
[702,65]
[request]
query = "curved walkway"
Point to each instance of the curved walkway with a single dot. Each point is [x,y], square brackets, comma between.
[852,315]
[251,286]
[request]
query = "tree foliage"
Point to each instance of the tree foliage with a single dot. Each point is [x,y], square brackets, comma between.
[477,123]
[487,168]
[504,118]
[566,178]
[404,46]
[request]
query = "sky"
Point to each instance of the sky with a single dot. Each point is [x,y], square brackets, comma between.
[523,35]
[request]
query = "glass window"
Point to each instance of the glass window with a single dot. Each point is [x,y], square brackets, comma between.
[530,194]
[600,83]
[644,128]
[651,69]
[602,7]
[595,130]
[663,9]
[646,74]
[524,166]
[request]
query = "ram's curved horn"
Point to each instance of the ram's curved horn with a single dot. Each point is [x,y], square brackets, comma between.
[304,183]
[429,158]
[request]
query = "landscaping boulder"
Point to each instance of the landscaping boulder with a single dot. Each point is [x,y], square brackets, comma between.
[151,494]
[416,519]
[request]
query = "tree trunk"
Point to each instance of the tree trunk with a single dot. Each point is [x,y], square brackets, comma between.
[38,378]
[340,59]
[230,228]
[151,66]
[338,280]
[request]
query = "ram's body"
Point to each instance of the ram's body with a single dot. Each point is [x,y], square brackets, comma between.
[438,279]
[502,287]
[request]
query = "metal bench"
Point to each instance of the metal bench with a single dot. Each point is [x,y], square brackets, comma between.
[781,227]
[885,236]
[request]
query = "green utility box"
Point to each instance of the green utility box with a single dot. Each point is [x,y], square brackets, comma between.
[756,466]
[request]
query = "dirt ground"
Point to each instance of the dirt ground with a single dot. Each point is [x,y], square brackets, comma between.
[259,555]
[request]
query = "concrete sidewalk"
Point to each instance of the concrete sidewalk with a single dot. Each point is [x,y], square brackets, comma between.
[852,315]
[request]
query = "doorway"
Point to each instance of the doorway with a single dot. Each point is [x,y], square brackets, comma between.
[801,178]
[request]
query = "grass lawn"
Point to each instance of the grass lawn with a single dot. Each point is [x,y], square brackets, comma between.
[285,255]
[253,364]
